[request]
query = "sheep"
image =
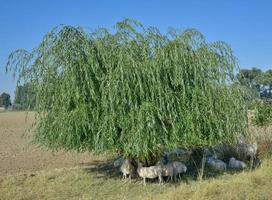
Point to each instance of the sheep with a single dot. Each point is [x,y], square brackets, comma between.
[236,164]
[118,162]
[247,151]
[178,168]
[216,164]
[241,150]
[167,170]
[127,169]
[150,172]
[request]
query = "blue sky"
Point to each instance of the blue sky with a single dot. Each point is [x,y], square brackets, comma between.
[244,24]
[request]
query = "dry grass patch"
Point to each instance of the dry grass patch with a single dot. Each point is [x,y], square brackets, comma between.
[244,185]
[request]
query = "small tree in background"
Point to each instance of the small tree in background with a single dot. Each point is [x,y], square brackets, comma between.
[25,97]
[5,100]
[266,82]
[133,90]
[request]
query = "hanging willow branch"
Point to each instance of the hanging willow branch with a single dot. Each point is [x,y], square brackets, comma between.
[133,90]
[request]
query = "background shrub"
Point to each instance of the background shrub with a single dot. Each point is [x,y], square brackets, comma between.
[263,113]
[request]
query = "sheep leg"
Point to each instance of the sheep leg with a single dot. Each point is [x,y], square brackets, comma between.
[129,177]
[144,182]
[160,179]
[125,177]
[251,162]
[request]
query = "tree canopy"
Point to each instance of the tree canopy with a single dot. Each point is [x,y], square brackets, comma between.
[132,89]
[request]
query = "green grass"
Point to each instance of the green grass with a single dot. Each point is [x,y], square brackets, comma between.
[97,183]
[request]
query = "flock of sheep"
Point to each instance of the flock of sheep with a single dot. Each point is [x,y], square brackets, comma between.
[160,170]
[218,158]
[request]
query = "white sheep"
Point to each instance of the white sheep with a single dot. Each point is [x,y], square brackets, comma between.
[150,172]
[247,151]
[236,164]
[127,169]
[216,164]
[178,168]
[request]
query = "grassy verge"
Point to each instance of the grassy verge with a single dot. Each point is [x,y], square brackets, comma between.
[95,183]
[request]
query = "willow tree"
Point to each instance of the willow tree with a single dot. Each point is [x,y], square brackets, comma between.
[131,89]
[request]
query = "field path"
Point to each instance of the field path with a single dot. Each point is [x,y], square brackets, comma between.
[18,155]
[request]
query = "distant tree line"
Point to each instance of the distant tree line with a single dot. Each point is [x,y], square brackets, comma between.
[258,88]
[258,82]
[24,98]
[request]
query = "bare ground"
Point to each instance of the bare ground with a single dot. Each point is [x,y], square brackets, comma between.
[18,155]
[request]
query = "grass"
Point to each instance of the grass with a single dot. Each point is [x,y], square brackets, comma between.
[96,183]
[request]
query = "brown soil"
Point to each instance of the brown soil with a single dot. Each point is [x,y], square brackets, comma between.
[18,155]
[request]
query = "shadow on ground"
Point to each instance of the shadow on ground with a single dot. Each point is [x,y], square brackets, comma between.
[103,169]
